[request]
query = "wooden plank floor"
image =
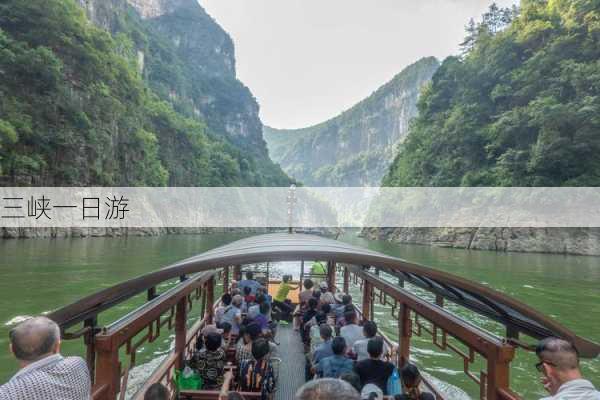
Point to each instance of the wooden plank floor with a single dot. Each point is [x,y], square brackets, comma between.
[291,370]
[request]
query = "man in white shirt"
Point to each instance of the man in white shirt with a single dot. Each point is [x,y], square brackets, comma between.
[360,346]
[351,331]
[559,364]
[44,373]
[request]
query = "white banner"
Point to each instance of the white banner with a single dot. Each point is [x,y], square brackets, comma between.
[298,207]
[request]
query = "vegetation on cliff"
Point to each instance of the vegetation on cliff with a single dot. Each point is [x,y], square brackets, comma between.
[520,107]
[357,147]
[77,108]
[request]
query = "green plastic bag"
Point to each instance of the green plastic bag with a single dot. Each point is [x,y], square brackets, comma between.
[188,379]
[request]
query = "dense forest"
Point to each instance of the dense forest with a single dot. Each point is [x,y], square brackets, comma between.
[356,147]
[83,105]
[519,107]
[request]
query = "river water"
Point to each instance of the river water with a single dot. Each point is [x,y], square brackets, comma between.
[40,275]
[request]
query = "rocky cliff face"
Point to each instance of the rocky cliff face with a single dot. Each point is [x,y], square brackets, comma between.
[357,147]
[189,60]
[581,241]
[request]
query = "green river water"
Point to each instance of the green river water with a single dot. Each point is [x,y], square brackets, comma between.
[40,275]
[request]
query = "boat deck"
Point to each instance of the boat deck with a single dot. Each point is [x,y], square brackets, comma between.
[291,370]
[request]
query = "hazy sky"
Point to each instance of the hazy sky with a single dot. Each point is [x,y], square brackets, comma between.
[308,60]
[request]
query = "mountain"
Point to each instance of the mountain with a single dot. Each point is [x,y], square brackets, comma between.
[357,147]
[519,107]
[146,95]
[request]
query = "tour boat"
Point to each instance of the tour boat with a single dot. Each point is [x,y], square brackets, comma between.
[375,277]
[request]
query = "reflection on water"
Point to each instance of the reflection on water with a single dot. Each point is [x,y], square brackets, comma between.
[42,274]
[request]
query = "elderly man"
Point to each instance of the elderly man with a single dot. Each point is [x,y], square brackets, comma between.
[559,365]
[327,389]
[44,373]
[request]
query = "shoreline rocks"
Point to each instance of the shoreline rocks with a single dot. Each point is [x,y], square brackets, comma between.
[575,241]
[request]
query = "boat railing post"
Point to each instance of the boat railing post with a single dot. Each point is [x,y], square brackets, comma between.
[210,299]
[366,300]
[346,280]
[108,368]
[226,279]
[498,371]
[180,330]
[151,293]
[237,272]
[90,341]
[404,335]
[331,276]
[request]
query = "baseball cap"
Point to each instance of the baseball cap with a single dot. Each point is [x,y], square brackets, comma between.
[370,388]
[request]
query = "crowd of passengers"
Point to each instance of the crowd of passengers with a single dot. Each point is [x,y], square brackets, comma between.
[344,360]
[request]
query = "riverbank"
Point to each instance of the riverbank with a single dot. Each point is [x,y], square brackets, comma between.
[58,233]
[574,241]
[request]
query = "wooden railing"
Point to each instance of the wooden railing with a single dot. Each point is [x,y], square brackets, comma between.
[417,317]
[162,314]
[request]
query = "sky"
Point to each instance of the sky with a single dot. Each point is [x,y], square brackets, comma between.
[308,60]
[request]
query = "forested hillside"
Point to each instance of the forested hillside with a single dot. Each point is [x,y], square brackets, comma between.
[121,102]
[520,106]
[357,147]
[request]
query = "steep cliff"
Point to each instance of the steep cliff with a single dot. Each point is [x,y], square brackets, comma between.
[355,148]
[146,95]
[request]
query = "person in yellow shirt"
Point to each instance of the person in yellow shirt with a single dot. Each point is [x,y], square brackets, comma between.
[279,301]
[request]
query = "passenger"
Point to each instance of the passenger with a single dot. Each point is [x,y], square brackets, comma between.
[307,293]
[210,362]
[233,314]
[219,311]
[321,351]
[317,268]
[262,319]
[340,309]
[249,298]
[254,309]
[256,375]
[282,293]
[303,299]
[44,373]
[157,391]
[351,331]
[411,381]
[371,392]
[360,346]
[342,321]
[207,330]
[374,370]
[338,363]
[226,328]
[306,318]
[243,350]
[249,282]
[326,296]
[327,389]
[353,379]
[315,331]
[559,363]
